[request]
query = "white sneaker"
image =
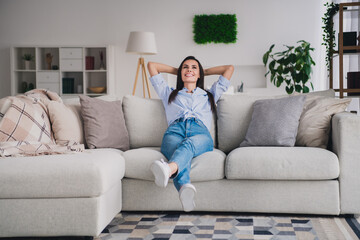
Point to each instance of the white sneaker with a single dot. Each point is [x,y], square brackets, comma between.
[187,193]
[161,171]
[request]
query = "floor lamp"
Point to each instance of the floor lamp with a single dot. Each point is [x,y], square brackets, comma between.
[141,43]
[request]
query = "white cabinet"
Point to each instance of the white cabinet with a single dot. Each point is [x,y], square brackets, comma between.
[66,70]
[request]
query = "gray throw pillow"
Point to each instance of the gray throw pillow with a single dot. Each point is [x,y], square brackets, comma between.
[104,124]
[274,122]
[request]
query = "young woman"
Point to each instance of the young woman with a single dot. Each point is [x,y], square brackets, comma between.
[189,111]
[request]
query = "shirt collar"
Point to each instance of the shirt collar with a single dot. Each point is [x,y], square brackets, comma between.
[196,90]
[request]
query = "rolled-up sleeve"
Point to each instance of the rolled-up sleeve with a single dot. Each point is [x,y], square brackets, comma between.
[161,87]
[219,87]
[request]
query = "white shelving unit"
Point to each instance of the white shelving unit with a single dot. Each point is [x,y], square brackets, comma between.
[73,70]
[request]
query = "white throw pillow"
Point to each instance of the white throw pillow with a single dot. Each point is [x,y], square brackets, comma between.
[314,125]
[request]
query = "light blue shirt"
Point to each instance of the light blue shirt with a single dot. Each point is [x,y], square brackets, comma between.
[188,105]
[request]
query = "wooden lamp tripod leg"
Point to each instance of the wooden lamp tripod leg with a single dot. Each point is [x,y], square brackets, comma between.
[141,63]
[146,78]
[142,76]
[136,78]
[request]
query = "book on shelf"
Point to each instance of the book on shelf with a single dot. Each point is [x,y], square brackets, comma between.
[68,85]
[353,82]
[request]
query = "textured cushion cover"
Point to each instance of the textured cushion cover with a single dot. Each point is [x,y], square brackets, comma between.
[234,116]
[86,174]
[314,126]
[274,122]
[104,124]
[206,167]
[65,122]
[282,163]
[146,121]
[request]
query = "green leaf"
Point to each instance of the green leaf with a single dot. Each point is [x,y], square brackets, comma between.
[298,77]
[307,69]
[286,70]
[271,47]
[298,88]
[266,57]
[272,79]
[289,90]
[306,89]
[292,57]
[272,65]
[279,81]
[298,66]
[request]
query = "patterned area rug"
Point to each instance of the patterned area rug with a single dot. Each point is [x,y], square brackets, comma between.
[200,226]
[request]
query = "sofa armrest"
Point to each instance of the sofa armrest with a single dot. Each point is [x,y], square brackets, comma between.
[346,144]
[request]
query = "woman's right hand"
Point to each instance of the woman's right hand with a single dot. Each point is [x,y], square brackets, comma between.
[156,68]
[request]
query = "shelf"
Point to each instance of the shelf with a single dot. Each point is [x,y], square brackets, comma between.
[353,90]
[47,71]
[95,71]
[22,70]
[343,53]
[62,69]
[349,48]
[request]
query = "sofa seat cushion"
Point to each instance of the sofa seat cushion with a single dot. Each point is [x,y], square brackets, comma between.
[86,174]
[282,163]
[206,167]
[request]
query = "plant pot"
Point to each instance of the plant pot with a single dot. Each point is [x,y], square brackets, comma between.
[27,65]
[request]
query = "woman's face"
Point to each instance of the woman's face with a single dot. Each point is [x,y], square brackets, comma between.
[190,71]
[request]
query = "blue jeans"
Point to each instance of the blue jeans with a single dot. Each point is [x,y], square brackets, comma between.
[183,140]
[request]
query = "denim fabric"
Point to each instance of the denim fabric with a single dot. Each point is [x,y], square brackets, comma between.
[183,140]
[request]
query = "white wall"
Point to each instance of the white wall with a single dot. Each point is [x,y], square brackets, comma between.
[91,22]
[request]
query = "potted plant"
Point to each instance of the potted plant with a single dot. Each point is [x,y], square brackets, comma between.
[27,58]
[292,66]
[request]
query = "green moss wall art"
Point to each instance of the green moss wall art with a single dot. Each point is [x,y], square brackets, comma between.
[220,28]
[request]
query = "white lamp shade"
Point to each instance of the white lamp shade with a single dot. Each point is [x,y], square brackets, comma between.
[142,43]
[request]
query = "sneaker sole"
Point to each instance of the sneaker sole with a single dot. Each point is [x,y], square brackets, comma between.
[187,199]
[160,179]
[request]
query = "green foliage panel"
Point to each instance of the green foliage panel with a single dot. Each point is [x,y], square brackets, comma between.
[221,28]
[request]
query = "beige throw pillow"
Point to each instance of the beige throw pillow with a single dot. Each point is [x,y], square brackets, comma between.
[104,124]
[66,122]
[314,126]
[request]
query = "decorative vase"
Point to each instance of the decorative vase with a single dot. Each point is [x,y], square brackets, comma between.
[27,65]
[102,65]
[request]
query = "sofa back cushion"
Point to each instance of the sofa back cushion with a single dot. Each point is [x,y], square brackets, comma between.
[146,121]
[234,116]
[73,104]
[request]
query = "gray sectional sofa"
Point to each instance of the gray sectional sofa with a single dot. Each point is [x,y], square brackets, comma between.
[79,194]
